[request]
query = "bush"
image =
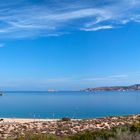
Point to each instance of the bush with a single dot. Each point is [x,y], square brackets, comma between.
[66,119]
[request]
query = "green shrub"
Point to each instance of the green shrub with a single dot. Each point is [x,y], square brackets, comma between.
[135,127]
[66,119]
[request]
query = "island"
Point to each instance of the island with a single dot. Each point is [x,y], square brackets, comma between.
[135,87]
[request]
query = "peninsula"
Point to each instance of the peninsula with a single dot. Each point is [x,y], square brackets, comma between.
[135,87]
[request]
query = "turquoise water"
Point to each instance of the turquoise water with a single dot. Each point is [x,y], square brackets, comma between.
[68,104]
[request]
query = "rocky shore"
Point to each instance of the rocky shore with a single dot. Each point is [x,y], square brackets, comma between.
[15,127]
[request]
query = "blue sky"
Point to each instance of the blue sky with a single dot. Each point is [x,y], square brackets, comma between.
[69,44]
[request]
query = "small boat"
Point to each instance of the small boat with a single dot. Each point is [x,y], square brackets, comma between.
[1,93]
[51,90]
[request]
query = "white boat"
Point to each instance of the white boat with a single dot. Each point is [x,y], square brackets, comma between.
[51,90]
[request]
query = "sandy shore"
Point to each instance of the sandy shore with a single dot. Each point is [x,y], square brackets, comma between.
[25,120]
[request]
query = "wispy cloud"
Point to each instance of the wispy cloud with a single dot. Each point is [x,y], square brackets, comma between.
[97,28]
[1,45]
[24,19]
[57,80]
[111,77]
[118,76]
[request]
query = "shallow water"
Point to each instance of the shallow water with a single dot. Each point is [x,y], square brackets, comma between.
[68,104]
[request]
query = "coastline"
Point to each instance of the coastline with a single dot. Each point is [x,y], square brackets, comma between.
[31,120]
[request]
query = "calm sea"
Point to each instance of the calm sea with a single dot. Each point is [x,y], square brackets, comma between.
[68,104]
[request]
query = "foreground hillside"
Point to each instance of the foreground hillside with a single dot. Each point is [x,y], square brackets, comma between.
[125,132]
[67,129]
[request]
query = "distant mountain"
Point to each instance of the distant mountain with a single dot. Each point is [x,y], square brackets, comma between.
[135,87]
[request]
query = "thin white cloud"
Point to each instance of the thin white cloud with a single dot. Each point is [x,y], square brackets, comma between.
[31,83]
[95,79]
[111,77]
[24,19]
[2,45]
[119,76]
[57,80]
[97,28]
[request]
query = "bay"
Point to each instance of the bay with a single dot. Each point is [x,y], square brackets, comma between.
[71,104]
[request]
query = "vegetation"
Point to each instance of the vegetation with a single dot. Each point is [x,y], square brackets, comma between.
[66,119]
[127,132]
